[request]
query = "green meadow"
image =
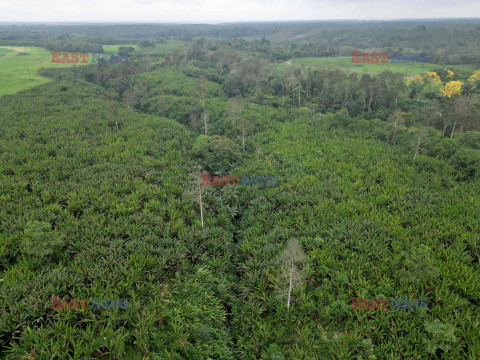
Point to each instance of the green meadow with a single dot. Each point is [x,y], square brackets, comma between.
[112,49]
[19,72]
[345,62]
[5,51]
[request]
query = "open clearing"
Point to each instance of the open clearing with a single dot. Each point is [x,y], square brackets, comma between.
[112,49]
[19,72]
[345,63]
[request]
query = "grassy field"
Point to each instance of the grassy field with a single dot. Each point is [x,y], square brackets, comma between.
[112,49]
[5,51]
[345,62]
[19,72]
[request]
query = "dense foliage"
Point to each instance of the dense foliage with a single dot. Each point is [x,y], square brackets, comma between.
[377,197]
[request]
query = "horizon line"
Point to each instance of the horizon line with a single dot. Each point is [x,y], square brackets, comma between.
[243,22]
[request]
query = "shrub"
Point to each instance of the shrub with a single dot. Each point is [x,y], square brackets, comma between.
[216,152]
[470,139]
[468,161]
[440,336]
[446,148]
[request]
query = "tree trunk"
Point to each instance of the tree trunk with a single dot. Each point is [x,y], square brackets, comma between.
[201,206]
[344,101]
[416,152]
[395,135]
[453,129]
[289,288]
[444,129]
[243,140]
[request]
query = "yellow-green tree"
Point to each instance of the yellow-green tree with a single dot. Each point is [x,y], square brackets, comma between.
[475,76]
[417,79]
[451,88]
[433,77]
[449,73]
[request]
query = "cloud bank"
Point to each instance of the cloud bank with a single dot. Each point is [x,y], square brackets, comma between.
[215,11]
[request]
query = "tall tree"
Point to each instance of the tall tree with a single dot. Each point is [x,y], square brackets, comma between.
[465,111]
[205,118]
[242,126]
[418,139]
[235,106]
[398,119]
[365,87]
[431,114]
[148,62]
[199,91]
[292,261]
[249,74]
[196,188]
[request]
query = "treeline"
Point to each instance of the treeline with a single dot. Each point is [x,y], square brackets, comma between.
[322,90]
[241,80]
[68,42]
[446,42]
[462,152]
[415,115]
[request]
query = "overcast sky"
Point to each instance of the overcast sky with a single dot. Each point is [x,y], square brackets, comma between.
[215,11]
